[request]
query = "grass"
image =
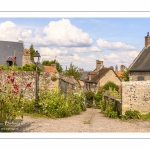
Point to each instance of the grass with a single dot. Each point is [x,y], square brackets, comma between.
[87,122]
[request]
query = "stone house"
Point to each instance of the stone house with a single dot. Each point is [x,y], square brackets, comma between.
[139,70]
[100,76]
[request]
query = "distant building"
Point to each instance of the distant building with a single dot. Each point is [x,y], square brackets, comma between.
[100,76]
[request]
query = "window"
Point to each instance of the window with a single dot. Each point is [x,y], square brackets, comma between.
[140,78]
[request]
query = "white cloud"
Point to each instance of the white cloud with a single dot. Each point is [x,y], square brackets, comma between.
[9,31]
[63,33]
[45,51]
[26,33]
[131,54]
[86,49]
[114,45]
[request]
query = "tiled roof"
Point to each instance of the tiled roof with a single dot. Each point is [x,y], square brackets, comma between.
[68,79]
[142,61]
[50,69]
[7,49]
[100,74]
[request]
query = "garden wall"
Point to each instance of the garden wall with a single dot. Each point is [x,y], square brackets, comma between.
[66,84]
[25,77]
[136,96]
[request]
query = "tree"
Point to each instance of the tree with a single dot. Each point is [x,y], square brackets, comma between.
[32,51]
[73,71]
[49,63]
[125,75]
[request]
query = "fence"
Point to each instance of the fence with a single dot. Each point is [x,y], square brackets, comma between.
[112,101]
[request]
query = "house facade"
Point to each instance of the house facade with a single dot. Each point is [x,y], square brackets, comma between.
[139,70]
[100,76]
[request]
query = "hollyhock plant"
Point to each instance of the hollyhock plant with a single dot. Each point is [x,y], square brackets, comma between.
[11,97]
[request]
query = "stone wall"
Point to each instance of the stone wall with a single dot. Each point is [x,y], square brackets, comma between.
[134,76]
[25,77]
[136,96]
[66,84]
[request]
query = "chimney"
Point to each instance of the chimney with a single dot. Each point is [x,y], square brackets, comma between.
[116,69]
[112,67]
[122,68]
[99,65]
[147,40]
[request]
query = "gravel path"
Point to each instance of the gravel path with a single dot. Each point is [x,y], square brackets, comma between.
[91,120]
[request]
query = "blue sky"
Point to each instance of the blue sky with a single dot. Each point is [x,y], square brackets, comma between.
[81,41]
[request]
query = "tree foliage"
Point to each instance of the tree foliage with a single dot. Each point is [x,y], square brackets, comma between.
[109,85]
[49,63]
[73,71]
[32,51]
[125,75]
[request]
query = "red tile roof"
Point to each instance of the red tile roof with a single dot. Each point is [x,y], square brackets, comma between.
[50,69]
[119,73]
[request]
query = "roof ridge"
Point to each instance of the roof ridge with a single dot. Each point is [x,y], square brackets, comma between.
[136,58]
[10,41]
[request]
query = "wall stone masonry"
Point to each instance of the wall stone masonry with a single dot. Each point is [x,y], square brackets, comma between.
[134,76]
[45,78]
[25,77]
[136,96]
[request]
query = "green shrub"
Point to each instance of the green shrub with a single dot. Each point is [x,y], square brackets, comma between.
[54,78]
[89,96]
[110,84]
[110,113]
[54,105]
[31,67]
[129,114]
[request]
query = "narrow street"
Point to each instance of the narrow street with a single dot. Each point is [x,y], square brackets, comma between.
[91,120]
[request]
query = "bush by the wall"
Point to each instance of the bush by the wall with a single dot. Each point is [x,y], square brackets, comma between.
[135,114]
[54,105]
[109,85]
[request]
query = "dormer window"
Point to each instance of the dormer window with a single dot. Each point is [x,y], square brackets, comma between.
[10,60]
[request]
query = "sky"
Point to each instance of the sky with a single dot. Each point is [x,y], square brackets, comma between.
[82,41]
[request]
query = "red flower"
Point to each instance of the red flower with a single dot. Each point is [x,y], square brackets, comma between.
[28,85]
[8,77]
[16,87]
[12,80]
